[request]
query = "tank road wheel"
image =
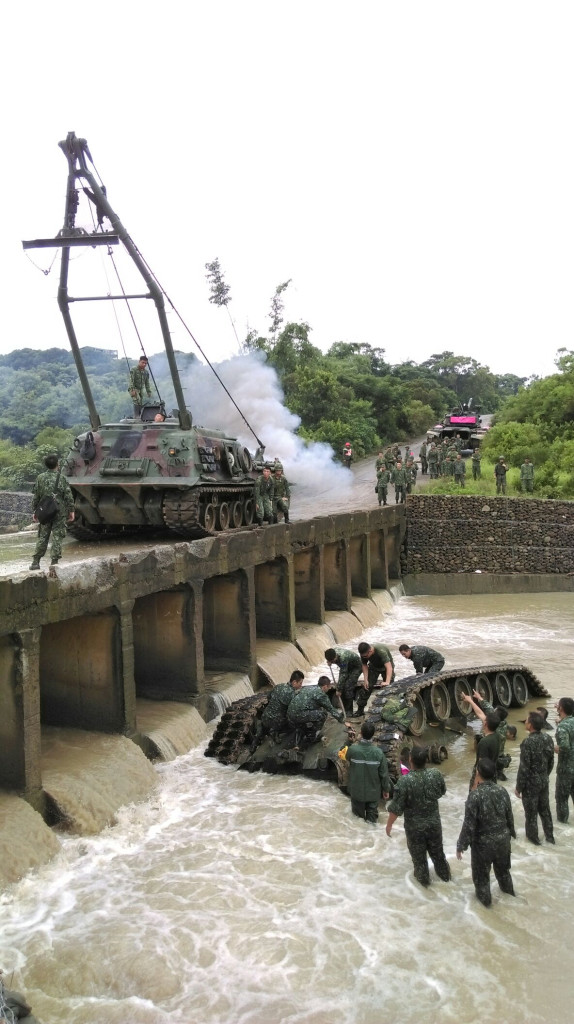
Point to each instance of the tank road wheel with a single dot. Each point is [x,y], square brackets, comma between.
[520,692]
[418,724]
[236,514]
[437,702]
[223,516]
[208,517]
[503,689]
[458,690]
[248,511]
[482,686]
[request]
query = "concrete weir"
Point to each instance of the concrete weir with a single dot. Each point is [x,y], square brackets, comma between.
[153,644]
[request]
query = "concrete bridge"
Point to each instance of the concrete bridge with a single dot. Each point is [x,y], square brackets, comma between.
[77,649]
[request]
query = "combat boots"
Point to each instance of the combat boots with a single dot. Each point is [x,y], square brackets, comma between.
[35,565]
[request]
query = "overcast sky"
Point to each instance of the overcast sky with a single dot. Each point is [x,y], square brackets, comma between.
[409,165]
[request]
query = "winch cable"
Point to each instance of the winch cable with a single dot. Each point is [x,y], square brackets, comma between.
[127,302]
[196,343]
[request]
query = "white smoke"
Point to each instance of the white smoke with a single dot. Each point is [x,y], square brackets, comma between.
[256,389]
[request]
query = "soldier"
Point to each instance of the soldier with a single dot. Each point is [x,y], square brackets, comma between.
[380,462]
[51,482]
[448,466]
[487,828]
[139,382]
[481,709]
[382,485]
[476,470]
[264,495]
[389,459]
[347,455]
[411,470]
[399,479]
[459,470]
[350,669]
[273,721]
[527,475]
[488,745]
[423,458]
[368,775]
[377,661]
[433,461]
[417,795]
[500,471]
[536,763]
[309,708]
[282,493]
[565,750]
[424,659]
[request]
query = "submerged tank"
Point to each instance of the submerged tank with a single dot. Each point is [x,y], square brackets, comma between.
[154,470]
[437,713]
[464,420]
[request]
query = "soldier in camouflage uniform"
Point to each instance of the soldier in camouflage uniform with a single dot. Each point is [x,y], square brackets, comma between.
[309,709]
[482,708]
[527,476]
[350,670]
[282,493]
[487,828]
[264,495]
[433,461]
[399,479]
[56,529]
[459,470]
[565,750]
[380,462]
[417,795]
[382,485]
[476,470]
[377,661]
[398,712]
[536,763]
[448,466]
[424,659]
[423,458]
[411,470]
[500,471]
[273,721]
[368,775]
[139,382]
[389,459]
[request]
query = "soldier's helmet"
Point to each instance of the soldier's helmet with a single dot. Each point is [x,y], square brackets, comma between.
[501,458]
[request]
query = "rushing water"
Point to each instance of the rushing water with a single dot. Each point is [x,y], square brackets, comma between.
[230,898]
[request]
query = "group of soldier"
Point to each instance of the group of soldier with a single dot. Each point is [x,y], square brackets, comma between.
[272,495]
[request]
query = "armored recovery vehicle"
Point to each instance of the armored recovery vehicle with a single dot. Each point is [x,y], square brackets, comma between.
[437,712]
[141,473]
[464,420]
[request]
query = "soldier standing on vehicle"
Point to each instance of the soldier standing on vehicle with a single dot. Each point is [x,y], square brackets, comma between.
[527,476]
[139,382]
[368,775]
[264,495]
[565,750]
[377,661]
[417,795]
[382,485]
[423,458]
[399,479]
[282,492]
[309,708]
[488,828]
[273,721]
[459,470]
[350,670]
[476,470]
[536,763]
[500,471]
[424,659]
[51,482]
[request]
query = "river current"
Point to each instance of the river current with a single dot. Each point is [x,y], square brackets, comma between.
[230,898]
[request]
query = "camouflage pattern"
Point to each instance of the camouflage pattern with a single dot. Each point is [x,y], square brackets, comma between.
[368,778]
[264,496]
[411,474]
[311,705]
[459,471]
[424,659]
[380,463]
[45,486]
[423,457]
[487,828]
[536,763]
[487,746]
[399,479]
[527,476]
[433,461]
[476,470]
[139,382]
[448,466]
[500,474]
[565,766]
[417,795]
[350,670]
[382,487]
[501,728]
[274,717]
[282,495]
[389,459]
[398,712]
[376,667]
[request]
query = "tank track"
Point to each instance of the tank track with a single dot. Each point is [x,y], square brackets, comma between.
[234,732]
[182,509]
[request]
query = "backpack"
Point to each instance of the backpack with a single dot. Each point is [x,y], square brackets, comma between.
[47,509]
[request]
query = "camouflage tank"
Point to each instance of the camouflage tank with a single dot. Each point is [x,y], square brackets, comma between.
[436,714]
[142,473]
[464,420]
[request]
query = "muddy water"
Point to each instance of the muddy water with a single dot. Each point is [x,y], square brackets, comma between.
[248,899]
